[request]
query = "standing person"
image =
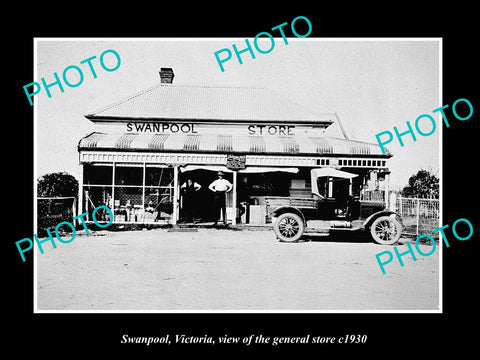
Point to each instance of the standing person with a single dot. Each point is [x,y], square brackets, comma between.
[189,188]
[220,187]
[243,198]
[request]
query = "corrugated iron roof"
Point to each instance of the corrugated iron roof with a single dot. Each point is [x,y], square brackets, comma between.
[212,143]
[167,101]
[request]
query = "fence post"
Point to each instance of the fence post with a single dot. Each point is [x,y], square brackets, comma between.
[418,213]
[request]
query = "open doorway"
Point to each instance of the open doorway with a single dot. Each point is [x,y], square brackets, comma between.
[202,204]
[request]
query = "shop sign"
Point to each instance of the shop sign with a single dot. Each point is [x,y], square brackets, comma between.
[193,128]
[271,129]
[236,162]
[185,128]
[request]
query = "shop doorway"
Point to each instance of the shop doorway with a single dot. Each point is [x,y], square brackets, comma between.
[202,205]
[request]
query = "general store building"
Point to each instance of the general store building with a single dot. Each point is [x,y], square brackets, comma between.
[145,146]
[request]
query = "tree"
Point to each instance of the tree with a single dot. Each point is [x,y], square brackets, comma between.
[57,184]
[423,184]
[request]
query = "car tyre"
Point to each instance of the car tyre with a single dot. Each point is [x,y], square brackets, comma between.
[289,227]
[386,230]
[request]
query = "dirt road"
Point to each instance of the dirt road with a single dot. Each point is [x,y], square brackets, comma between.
[228,270]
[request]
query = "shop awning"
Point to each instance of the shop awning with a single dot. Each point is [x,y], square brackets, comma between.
[211,143]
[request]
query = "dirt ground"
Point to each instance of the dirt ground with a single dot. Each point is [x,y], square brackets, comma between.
[219,269]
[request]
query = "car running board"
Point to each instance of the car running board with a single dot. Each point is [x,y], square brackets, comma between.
[324,226]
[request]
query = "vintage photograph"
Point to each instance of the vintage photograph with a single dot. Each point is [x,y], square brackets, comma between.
[256,186]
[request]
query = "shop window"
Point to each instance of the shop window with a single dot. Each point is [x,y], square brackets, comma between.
[349,162]
[269,184]
[128,196]
[128,204]
[369,163]
[97,174]
[94,196]
[354,162]
[158,199]
[340,162]
[159,202]
[133,198]
[156,176]
[128,175]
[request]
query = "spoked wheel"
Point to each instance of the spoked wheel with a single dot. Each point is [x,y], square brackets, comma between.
[386,230]
[289,227]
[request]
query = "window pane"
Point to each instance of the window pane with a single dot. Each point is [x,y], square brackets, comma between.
[128,204]
[128,196]
[97,175]
[95,196]
[159,200]
[128,175]
[158,176]
[269,184]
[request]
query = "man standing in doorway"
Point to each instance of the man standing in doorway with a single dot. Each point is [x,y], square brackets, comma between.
[189,188]
[220,187]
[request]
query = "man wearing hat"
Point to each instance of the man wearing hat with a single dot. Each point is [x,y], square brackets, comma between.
[220,187]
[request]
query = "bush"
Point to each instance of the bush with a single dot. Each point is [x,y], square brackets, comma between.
[56,185]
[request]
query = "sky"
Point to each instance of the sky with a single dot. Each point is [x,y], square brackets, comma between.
[372,84]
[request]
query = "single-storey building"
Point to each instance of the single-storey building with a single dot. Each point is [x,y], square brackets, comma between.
[148,144]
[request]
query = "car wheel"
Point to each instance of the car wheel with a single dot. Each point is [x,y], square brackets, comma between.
[386,230]
[289,227]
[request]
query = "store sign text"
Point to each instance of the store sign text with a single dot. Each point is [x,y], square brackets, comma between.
[191,128]
[162,127]
[271,130]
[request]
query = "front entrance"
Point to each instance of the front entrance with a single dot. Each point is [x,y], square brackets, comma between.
[201,206]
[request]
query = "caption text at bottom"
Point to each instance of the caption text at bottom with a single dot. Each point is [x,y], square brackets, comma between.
[245,340]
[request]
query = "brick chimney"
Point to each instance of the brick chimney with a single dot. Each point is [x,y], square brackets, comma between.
[166,75]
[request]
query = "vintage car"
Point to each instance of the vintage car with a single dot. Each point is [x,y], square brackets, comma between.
[293,216]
